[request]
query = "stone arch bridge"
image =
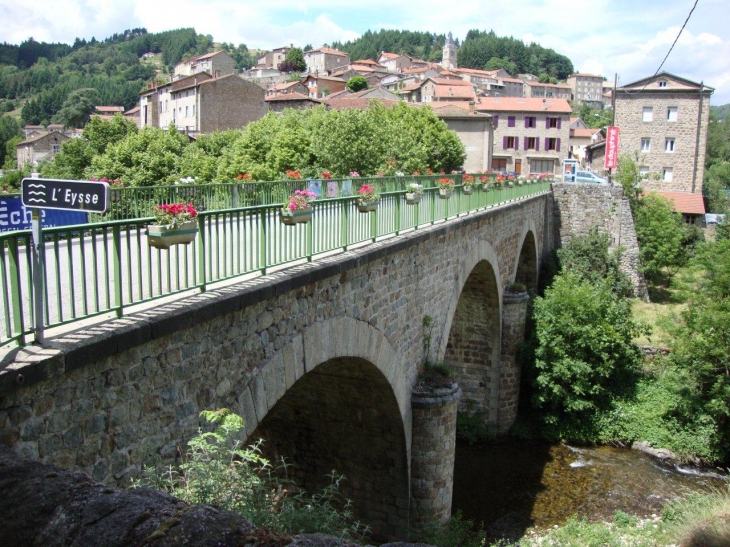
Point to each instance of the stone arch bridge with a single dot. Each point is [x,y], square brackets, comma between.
[321,359]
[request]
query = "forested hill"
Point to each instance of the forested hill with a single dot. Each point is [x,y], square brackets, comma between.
[46,74]
[480,49]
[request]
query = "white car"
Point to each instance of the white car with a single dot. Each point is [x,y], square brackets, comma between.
[587,176]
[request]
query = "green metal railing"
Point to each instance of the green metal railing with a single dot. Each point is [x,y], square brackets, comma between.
[107,267]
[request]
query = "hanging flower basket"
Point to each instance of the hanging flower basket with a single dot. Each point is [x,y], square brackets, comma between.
[467,190]
[367,206]
[300,216]
[412,198]
[445,193]
[164,237]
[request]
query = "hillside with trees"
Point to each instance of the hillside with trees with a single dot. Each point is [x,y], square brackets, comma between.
[45,76]
[480,50]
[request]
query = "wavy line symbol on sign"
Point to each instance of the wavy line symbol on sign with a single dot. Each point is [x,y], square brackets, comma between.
[36,185]
[36,193]
[36,200]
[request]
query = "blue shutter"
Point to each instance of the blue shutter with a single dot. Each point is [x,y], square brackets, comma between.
[510,121]
[517,143]
[547,122]
[537,143]
[559,120]
[557,145]
[526,143]
[547,143]
[504,143]
[527,122]
[495,119]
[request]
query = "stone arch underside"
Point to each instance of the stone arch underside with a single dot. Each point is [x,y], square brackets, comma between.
[473,347]
[344,412]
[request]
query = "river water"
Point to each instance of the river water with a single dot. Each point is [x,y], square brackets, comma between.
[512,485]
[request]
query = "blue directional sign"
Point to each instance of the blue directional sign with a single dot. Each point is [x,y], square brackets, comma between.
[69,195]
[16,216]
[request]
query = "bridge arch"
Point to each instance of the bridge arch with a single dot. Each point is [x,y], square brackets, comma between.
[336,398]
[527,265]
[471,345]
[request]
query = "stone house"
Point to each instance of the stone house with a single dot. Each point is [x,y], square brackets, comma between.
[595,155]
[321,86]
[325,60]
[474,129]
[530,135]
[512,87]
[39,147]
[439,89]
[580,138]
[217,64]
[285,88]
[273,58]
[279,103]
[664,119]
[202,104]
[547,91]
[395,62]
[587,88]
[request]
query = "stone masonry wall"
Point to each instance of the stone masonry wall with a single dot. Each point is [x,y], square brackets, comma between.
[580,207]
[111,398]
[629,112]
[514,315]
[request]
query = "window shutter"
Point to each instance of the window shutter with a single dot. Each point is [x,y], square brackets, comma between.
[510,121]
[517,143]
[526,144]
[504,143]
[547,123]
[559,120]
[496,120]
[547,143]
[537,143]
[527,122]
[557,145]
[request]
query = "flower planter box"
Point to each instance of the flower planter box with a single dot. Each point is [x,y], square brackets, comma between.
[486,187]
[368,206]
[445,193]
[467,190]
[300,216]
[413,199]
[162,237]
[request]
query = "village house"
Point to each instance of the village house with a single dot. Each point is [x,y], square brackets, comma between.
[217,64]
[39,147]
[536,90]
[286,88]
[394,62]
[279,103]
[439,89]
[587,88]
[272,59]
[580,139]
[321,86]
[325,60]
[530,135]
[202,104]
[474,129]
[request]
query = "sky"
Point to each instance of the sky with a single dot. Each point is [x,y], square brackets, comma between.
[625,37]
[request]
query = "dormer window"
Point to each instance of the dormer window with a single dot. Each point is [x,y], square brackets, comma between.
[662,83]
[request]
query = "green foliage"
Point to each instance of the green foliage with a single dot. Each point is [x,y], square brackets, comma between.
[458,532]
[588,258]
[295,57]
[218,470]
[471,424]
[9,129]
[422,45]
[77,108]
[586,356]
[700,521]
[356,83]
[659,231]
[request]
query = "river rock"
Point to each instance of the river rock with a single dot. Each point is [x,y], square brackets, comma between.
[660,453]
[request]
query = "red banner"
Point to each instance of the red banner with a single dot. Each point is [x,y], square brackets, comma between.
[610,161]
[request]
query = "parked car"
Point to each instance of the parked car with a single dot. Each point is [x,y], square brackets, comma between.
[587,176]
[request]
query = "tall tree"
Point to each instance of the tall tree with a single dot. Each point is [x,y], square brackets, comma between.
[9,128]
[77,108]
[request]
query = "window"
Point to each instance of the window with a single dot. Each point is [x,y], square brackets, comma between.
[552,123]
[644,172]
[668,174]
[55,148]
[530,121]
[193,111]
[511,121]
[648,114]
[495,119]
[645,145]
[186,111]
[669,145]
[542,166]
[662,83]
[499,164]
[530,143]
[672,114]
[510,142]
[553,144]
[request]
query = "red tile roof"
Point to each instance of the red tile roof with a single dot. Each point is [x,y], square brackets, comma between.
[451,81]
[583,133]
[361,104]
[293,96]
[684,202]
[453,92]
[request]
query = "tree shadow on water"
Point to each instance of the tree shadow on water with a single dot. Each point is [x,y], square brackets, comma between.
[496,484]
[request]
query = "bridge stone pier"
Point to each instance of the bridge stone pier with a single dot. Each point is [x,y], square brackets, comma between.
[321,359]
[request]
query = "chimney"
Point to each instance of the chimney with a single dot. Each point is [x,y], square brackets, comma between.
[472,105]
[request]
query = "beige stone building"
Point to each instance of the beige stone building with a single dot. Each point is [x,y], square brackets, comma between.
[274,58]
[201,104]
[39,147]
[325,60]
[530,135]
[474,129]
[664,119]
[587,88]
[217,64]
